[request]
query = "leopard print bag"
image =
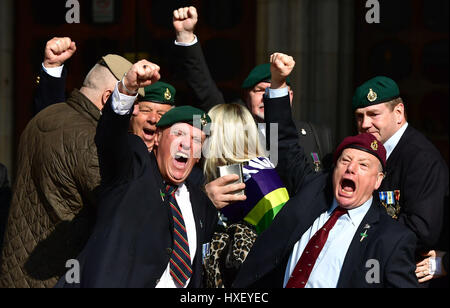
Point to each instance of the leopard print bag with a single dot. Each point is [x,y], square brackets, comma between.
[229,249]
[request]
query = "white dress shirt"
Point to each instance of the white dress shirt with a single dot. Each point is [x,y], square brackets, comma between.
[393,141]
[326,271]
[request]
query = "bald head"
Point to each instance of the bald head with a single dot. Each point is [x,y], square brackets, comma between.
[98,85]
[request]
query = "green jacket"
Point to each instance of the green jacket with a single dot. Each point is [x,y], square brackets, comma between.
[54,194]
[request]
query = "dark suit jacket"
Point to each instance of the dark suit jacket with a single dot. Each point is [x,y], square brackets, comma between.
[417,169]
[49,90]
[192,67]
[389,243]
[132,240]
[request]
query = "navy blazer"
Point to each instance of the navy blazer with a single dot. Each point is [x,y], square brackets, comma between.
[132,240]
[418,171]
[388,242]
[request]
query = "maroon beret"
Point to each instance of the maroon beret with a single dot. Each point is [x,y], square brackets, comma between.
[365,142]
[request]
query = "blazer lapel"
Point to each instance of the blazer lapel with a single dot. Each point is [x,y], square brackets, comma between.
[161,190]
[359,244]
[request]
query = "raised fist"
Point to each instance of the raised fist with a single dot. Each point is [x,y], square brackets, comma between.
[184,21]
[280,68]
[58,50]
[141,74]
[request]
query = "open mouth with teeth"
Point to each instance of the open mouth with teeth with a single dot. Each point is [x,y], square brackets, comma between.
[148,134]
[180,160]
[348,187]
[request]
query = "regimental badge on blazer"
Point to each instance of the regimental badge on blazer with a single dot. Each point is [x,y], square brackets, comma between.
[391,201]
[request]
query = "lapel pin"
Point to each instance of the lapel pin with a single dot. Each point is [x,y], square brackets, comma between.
[364,234]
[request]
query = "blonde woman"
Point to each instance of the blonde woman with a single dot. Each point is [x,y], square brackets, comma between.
[234,139]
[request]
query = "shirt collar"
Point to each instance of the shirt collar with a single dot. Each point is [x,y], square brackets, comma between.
[393,141]
[355,215]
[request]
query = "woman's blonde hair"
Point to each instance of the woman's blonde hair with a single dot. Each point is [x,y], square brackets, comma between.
[234,139]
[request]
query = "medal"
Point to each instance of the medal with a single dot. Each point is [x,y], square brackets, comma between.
[316,161]
[397,195]
[390,197]
[205,251]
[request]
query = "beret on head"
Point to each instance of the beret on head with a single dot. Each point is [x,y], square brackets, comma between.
[365,142]
[118,66]
[375,91]
[184,114]
[159,92]
[258,74]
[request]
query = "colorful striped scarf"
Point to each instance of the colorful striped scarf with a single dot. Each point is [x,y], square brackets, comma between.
[266,196]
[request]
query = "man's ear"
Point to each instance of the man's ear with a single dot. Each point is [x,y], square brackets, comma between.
[105,96]
[399,112]
[380,178]
[158,135]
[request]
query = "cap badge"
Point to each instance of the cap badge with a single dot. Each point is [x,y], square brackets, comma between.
[374,146]
[203,120]
[167,95]
[372,96]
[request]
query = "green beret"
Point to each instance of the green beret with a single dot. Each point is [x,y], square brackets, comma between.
[159,92]
[259,74]
[375,91]
[184,114]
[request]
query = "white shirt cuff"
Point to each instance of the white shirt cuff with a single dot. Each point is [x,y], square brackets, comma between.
[121,103]
[53,71]
[435,266]
[187,44]
[276,93]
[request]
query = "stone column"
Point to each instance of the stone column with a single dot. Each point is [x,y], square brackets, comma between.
[319,34]
[6,84]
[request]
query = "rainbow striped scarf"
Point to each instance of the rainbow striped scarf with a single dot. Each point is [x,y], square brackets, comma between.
[266,196]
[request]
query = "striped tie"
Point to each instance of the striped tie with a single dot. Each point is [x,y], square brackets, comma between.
[180,260]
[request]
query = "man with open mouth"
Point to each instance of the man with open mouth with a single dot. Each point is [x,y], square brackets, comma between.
[152,223]
[332,232]
[158,99]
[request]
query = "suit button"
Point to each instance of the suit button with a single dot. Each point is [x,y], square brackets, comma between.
[169,251]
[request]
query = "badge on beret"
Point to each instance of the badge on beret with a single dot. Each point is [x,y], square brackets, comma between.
[372,96]
[374,146]
[204,120]
[167,94]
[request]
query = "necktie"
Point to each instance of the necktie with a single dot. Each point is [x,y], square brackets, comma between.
[305,264]
[180,260]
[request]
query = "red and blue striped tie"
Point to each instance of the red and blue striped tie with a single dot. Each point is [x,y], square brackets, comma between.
[180,260]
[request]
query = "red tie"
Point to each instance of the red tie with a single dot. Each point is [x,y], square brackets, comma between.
[305,264]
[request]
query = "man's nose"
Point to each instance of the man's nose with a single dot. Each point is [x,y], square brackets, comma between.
[152,118]
[185,143]
[351,167]
[366,122]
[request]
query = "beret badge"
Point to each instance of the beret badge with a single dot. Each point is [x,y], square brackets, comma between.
[167,95]
[372,96]
[374,146]
[204,120]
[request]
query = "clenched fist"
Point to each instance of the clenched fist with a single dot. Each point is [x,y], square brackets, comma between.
[184,21]
[280,68]
[58,50]
[141,74]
